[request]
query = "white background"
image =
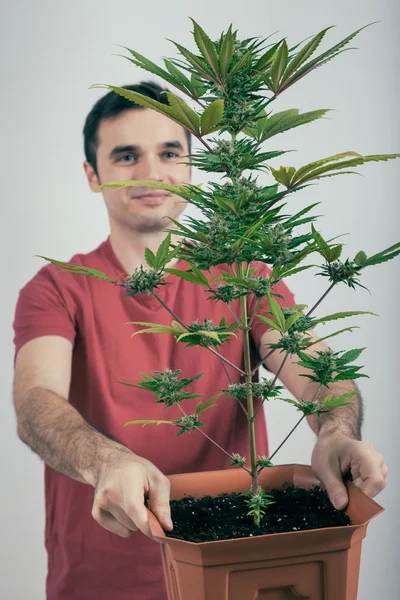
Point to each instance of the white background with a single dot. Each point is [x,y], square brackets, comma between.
[51,52]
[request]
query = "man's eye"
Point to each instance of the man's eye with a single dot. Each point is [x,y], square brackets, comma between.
[174,154]
[126,158]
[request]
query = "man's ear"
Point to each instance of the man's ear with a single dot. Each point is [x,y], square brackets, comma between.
[91,176]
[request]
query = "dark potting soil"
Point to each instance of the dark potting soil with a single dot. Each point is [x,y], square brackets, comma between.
[225,517]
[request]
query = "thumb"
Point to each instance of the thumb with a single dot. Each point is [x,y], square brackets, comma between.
[331,476]
[159,504]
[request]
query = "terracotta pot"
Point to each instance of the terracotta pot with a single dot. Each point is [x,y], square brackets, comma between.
[319,564]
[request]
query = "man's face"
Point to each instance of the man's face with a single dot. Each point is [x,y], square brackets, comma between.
[141,144]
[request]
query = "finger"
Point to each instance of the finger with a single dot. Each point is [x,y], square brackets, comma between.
[385,470]
[331,476]
[109,522]
[119,514]
[159,494]
[373,479]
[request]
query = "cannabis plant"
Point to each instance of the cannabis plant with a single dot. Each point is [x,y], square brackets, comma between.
[233,83]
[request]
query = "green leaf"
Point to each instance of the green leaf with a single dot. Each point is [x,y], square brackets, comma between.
[206,47]
[383,256]
[280,122]
[211,117]
[269,322]
[331,335]
[188,117]
[265,60]
[187,276]
[351,355]
[200,408]
[226,52]
[321,243]
[178,110]
[284,175]
[150,258]
[292,319]
[148,422]
[276,311]
[330,402]
[162,251]
[177,75]
[180,190]
[144,63]
[360,258]
[304,54]
[334,253]
[279,64]
[342,315]
[321,59]
[200,66]
[319,163]
[78,269]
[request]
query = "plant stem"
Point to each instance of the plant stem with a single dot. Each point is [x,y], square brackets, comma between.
[286,438]
[228,362]
[320,300]
[297,424]
[231,382]
[272,384]
[250,405]
[211,440]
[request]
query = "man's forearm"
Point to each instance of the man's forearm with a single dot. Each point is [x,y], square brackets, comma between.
[345,419]
[53,429]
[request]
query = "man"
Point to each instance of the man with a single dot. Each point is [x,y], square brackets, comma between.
[72,345]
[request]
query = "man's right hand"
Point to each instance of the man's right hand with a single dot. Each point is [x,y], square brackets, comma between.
[123,484]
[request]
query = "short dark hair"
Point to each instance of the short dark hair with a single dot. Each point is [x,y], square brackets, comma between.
[112,105]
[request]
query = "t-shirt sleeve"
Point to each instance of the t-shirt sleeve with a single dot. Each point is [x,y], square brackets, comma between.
[287,300]
[44,307]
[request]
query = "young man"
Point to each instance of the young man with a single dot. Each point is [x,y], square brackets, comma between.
[72,345]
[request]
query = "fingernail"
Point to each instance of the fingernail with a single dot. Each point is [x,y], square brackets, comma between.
[340,501]
[167,520]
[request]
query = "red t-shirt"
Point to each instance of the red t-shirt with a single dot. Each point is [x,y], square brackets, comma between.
[85,561]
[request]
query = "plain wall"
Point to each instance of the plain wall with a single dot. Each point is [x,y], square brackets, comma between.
[51,52]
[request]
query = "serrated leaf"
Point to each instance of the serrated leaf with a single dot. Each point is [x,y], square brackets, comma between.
[276,310]
[342,315]
[305,53]
[332,335]
[269,322]
[279,64]
[206,47]
[150,258]
[188,117]
[383,256]
[266,59]
[292,319]
[211,117]
[321,59]
[162,251]
[334,253]
[149,421]
[319,163]
[78,269]
[285,120]
[226,52]
[360,258]
[199,64]
[200,408]
[178,110]
[284,175]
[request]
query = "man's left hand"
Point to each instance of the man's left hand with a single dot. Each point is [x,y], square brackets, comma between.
[335,454]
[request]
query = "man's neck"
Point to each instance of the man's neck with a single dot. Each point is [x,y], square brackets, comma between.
[129,247]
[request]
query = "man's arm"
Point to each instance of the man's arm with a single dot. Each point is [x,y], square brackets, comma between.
[339,447]
[55,430]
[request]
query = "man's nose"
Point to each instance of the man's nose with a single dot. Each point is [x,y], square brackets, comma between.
[149,167]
